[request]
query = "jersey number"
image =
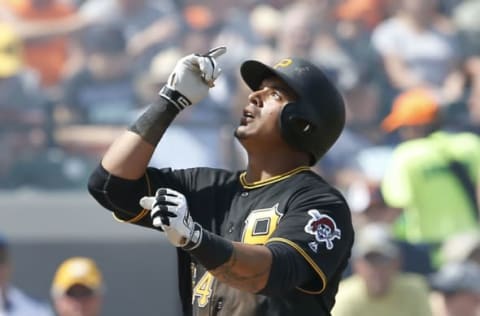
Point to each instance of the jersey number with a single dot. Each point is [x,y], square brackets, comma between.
[260,224]
[203,289]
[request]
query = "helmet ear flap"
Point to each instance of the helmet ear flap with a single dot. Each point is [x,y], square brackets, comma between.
[301,125]
[295,126]
[298,121]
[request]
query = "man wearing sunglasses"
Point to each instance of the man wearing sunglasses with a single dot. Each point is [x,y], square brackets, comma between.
[77,288]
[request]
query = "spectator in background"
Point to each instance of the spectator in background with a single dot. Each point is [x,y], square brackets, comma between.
[309,33]
[473,106]
[466,19]
[19,87]
[419,47]
[149,82]
[231,27]
[355,21]
[456,289]
[149,26]
[77,288]
[359,136]
[362,14]
[201,25]
[432,174]
[47,55]
[296,38]
[265,20]
[462,247]
[34,30]
[368,206]
[103,91]
[377,287]
[13,301]
[24,129]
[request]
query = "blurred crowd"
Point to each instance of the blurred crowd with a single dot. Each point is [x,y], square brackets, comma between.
[74,73]
[77,289]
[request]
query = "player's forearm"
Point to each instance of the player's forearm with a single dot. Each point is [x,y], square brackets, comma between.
[247,269]
[129,155]
[242,266]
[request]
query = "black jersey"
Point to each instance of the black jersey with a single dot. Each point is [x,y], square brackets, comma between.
[297,208]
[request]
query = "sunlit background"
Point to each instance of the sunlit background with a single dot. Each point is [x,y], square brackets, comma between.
[74,74]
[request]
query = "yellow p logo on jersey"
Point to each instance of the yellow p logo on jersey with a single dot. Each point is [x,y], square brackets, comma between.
[283,63]
[260,224]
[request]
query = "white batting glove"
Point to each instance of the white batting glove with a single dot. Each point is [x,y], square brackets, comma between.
[169,210]
[192,77]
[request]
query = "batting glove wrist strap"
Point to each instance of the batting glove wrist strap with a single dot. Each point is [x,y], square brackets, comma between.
[175,98]
[195,239]
[211,250]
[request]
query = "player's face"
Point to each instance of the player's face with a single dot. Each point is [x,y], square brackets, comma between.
[259,121]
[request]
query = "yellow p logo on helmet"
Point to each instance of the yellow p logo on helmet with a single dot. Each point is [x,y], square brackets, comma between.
[283,63]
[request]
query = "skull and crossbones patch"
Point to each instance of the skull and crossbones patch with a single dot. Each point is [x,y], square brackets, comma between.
[323,227]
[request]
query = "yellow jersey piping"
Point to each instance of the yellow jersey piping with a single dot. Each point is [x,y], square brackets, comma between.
[310,261]
[274,179]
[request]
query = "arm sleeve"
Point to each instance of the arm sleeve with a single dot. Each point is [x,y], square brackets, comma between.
[288,270]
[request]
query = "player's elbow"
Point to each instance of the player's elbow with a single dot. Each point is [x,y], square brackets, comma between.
[113,193]
[97,184]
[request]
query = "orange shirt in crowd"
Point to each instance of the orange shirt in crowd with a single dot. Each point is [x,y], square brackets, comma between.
[370,12]
[46,55]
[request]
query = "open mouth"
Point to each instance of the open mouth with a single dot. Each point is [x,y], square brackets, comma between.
[246,118]
[248,115]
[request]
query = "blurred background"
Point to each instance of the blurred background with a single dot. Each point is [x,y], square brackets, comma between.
[74,74]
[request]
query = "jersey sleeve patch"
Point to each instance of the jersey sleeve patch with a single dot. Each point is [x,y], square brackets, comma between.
[324,228]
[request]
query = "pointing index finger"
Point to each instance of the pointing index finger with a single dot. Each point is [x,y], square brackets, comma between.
[217,51]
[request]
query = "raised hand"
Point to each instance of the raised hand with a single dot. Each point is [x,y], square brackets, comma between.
[192,77]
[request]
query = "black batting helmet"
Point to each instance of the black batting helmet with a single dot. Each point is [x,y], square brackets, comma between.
[312,123]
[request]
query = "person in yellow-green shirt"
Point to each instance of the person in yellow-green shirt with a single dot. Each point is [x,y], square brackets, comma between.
[377,287]
[432,175]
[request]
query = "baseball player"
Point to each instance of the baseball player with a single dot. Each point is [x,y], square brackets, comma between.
[270,240]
